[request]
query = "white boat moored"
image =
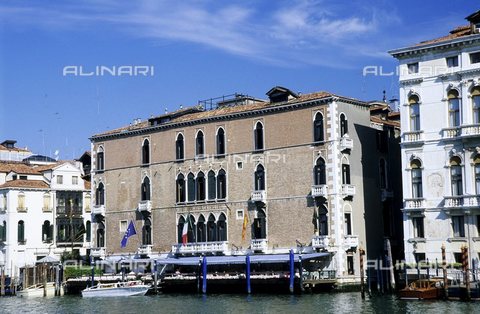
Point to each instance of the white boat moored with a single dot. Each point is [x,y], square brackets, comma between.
[116,289]
[38,290]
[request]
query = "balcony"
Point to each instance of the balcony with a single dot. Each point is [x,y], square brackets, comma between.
[145,206]
[413,137]
[99,252]
[450,133]
[414,203]
[453,201]
[471,201]
[70,210]
[98,210]
[320,190]
[259,245]
[346,143]
[470,130]
[320,242]
[348,190]
[259,196]
[350,241]
[219,247]
[145,249]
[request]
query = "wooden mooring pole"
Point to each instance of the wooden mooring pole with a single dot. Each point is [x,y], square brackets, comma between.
[444,266]
[155,276]
[362,275]
[465,270]
[2,289]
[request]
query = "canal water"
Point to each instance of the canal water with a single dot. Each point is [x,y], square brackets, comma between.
[184,303]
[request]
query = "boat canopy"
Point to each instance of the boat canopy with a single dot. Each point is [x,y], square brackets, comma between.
[236,259]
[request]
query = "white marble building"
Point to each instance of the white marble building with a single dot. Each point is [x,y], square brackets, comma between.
[44,211]
[440,121]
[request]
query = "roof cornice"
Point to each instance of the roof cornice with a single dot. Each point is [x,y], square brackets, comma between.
[418,49]
[231,116]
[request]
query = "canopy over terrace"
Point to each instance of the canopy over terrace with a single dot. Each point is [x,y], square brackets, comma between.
[225,260]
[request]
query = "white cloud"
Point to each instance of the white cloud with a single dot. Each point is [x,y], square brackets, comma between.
[305,32]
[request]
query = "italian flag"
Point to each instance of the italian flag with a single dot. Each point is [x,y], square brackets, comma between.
[185,231]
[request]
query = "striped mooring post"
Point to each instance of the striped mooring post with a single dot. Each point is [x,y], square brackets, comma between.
[465,270]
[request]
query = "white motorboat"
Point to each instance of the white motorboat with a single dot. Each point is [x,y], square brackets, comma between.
[117,289]
[38,290]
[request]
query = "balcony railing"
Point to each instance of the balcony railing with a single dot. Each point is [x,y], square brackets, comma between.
[259,245]
[411,137]
[453,201]
[450,133]
[98,210]
[351,241]
[74,210]
[201,247]
[471,201]
[259,196]
[22,209]
[320,190]
[414,203]
[348,190]
[145,206]
[46,209]
[320,242]
[145,249]
[98,252]
[346,143]
[469,130]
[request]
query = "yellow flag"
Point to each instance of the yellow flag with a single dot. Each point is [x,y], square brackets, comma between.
[245,224]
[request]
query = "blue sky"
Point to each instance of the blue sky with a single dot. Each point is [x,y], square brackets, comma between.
[199,50]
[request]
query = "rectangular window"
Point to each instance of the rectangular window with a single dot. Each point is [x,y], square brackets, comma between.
[412,68]
[458,225]
[123,225]
[21,202]
[240,214]
[414,117]
[478,225]
[418,231]
[475,57]
[59,179]
[75,180]
[419,257]
[345,174]
[350,265]
[453,112]
[476,109]
[3,202]
[23,177]
[46,202]
[458,257]
[452,61]
[348,224]
[456,178]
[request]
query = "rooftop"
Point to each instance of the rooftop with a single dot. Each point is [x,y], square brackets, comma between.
[460,33]
[195,113]
[9,145]
[17,167]
[35,184]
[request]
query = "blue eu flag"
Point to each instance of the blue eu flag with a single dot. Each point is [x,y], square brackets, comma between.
[128,233]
